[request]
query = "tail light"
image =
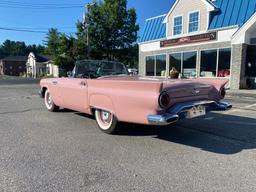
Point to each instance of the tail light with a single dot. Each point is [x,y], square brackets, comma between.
[164,100]
[223,92]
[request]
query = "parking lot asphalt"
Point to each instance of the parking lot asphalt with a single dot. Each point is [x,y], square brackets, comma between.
[8,80]
[64,151]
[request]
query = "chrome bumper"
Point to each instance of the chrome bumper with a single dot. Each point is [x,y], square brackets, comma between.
[179,111]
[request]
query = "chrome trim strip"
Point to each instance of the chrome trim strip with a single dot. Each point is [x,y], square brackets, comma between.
[174,113]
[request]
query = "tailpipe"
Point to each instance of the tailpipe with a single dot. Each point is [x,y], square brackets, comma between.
[224,106]
[173,119]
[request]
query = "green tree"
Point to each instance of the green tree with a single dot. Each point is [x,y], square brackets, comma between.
[2,54]
[65,57]
[52,42]
[8,47]
[129,55]
[19,48]
[37,49]
[112,31]
[67,49]
[113,28]
[80,49]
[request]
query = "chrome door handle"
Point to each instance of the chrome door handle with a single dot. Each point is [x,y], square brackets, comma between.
[55,82]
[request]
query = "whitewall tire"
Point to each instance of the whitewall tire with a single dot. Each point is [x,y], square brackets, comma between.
[107,122]
[49,102]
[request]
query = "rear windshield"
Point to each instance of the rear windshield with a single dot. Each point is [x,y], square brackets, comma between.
[95,69]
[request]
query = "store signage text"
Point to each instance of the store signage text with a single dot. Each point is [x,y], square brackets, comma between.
[190,39]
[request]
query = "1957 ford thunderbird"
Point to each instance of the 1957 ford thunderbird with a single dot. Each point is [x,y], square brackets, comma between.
[106,90]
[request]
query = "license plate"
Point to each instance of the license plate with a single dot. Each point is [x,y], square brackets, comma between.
[197,111]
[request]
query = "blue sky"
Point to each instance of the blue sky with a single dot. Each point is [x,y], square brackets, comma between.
[63,19]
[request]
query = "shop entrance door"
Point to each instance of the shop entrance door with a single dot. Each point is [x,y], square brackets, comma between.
[250,68]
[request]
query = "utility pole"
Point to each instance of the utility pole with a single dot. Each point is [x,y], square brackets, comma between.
[86,19]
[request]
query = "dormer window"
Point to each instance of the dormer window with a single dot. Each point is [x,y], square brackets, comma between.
[193,22]
[177,25]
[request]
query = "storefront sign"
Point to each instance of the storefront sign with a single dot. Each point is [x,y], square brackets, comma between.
[190,39]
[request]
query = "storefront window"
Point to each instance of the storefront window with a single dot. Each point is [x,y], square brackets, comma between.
[150,66]
[224,62]
[156,65]
[160,65]
[175,61]
[208,63]
[189,64]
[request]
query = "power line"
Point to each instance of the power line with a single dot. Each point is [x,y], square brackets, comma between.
[22,30]
[6,21]
[27,5]
[40,7]
[19,5]
[41,28]
[28,30]
[37,4]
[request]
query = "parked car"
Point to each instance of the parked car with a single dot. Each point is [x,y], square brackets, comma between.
[133,71]
[105,89]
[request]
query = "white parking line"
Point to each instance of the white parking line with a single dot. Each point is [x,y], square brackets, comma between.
[250,106]
[239,109]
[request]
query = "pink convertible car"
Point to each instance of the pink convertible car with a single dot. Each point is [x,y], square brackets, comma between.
[106,90]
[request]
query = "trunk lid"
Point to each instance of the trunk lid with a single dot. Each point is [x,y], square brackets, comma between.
[187,89]
[180,90]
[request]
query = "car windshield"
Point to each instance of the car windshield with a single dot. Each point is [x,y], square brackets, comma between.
[95,69]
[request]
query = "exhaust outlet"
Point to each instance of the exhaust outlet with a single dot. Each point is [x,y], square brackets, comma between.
[173,119]
[224,106]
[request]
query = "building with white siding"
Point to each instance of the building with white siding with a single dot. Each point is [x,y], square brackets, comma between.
[202,39]
[41,65]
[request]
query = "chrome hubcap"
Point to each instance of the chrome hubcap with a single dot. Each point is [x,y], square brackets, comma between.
[104,119]
[49,100]
[105,116]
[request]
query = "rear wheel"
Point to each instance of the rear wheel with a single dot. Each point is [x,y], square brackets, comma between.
[106,121]
[49,102]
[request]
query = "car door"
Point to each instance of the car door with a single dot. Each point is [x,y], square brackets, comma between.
[54,88]
[74,94]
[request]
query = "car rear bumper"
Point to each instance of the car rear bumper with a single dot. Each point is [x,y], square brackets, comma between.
[180,111]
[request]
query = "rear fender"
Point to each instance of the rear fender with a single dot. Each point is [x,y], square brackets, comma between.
[217,84]
[101,102]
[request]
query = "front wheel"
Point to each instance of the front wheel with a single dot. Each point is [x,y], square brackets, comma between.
[49,102]
[106,121]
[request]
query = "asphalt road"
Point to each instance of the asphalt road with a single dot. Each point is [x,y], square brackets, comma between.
[8,80]
[64,151]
